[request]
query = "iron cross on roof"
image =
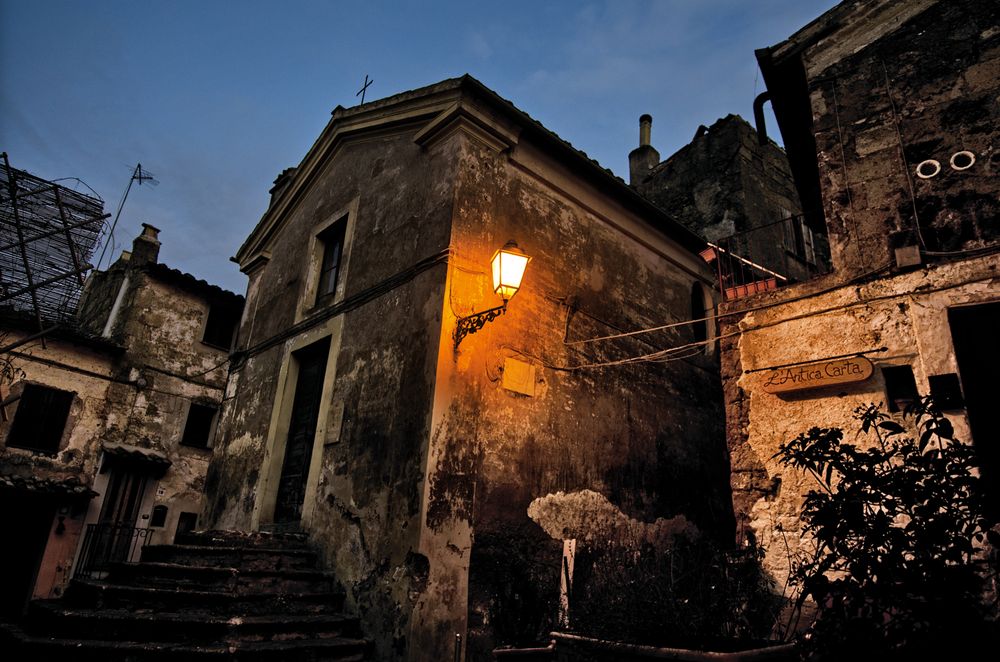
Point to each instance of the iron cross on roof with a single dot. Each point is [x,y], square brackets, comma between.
[364,88]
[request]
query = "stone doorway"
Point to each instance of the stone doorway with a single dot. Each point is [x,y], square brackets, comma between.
[26,521]
[311,362]
[973,332]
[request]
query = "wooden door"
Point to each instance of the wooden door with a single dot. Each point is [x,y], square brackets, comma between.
[974,333]
[301,432]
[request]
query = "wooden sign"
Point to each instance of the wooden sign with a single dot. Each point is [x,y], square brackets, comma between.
[817,375]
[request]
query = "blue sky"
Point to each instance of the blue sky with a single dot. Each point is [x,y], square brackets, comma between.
[216,98]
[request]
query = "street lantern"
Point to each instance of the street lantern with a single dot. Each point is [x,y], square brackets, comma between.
[508,270]
[508,265]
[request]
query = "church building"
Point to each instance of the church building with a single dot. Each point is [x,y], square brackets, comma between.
[445,439]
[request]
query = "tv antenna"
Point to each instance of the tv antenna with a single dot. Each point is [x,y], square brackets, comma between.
[138,175]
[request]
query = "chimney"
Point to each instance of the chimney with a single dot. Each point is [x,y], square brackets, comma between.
[643,158]
[146,247]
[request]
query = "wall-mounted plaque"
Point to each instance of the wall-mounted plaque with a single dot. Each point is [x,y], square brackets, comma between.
[817,375]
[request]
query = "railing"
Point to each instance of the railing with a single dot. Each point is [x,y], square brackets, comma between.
[769,256]
[104,544]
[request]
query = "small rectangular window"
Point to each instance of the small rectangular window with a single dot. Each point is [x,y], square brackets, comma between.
[159,517]
[900,386]
[332,241]
[220,327]
[946,390]
[40,419]
[186,523]
[198,429]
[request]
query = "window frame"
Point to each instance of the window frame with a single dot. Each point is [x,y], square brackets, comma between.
[19,427]
[220,310]
[209,433]
[310,300]
[331,240]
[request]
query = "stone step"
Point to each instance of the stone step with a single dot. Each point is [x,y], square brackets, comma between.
[208,578]
[20,646]
[244,539]
[214,596]
[53,618]
[102,594]
[244,558]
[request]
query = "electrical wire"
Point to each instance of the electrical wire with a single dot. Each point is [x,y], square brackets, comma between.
[349,303]
[675,353]
[638,332]
[902,156]
[971,252]
[847,182]
[733,313]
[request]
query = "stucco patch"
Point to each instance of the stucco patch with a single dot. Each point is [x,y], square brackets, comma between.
[589,516]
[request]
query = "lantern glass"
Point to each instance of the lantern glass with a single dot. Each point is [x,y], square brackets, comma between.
[508,270]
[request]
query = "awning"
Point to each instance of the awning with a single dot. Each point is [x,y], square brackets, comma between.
[63,488]
[136,457]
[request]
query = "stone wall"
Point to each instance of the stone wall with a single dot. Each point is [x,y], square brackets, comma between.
[926,91]
[724,181]
[906,314]
[582,451]
[890,85]
[364,512]
[427,459]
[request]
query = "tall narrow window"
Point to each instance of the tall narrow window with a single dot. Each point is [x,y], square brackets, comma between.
[332,240]
[699,325]
[40,419]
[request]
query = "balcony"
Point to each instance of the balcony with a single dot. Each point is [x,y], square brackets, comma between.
[768,257]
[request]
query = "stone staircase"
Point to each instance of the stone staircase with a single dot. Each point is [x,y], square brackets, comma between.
[213,596]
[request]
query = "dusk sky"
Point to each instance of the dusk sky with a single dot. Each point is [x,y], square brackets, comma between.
[216,98]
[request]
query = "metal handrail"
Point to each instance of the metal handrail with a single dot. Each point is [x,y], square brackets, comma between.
[106,543]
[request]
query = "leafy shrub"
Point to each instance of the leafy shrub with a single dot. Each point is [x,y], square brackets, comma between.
[899,530]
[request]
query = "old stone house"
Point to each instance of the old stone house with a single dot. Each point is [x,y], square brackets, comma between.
[107,424]
[889,116]
[733,186]
[724,182]
[445,463]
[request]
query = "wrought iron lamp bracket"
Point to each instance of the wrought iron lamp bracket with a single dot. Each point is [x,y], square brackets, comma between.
[468,325]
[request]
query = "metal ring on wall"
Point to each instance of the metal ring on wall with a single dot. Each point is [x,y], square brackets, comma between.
[927,169]
[962,160]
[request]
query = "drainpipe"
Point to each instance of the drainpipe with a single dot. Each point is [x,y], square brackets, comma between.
[758,116]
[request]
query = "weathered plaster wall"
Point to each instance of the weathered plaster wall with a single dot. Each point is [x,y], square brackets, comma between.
[925,91]
[75,462]
[77,454]
[136,392]
[161,326]
[365,511]
[906,313]
[644,440]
